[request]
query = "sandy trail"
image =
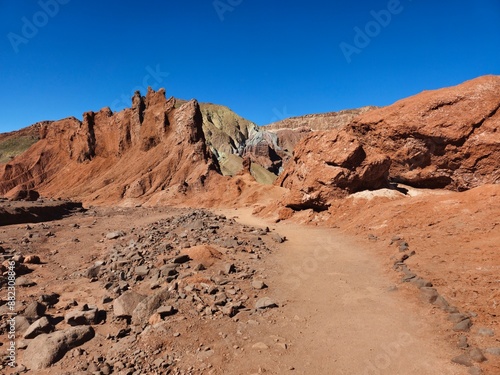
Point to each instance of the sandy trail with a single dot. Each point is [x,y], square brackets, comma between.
[341,315]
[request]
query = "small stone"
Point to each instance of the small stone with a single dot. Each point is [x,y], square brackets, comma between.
[462,359]
[421,283]
[199,267]
[279,239]
[181,259]
[166,311]
[40,326]
[155,319]
[32,259]
[493,351]
[265,303]
[260,346]
[485,332]
[93,271]
[477,355]
[158,362]
[114,235]
[49,299]
[429,294]
[34,311]
[18,258]
[229,268]
[462,342]
[124,305]
[86,316]
[141,270]
[457,317]
[258,284]
[463,326]
[24,282]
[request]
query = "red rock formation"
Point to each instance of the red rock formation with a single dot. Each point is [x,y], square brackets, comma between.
[329,165]
[446,138]
[132,153]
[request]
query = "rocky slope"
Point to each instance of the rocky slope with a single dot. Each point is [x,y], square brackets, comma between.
[320,121]
[225,131]
[112,156]
[274,144]
[16,142]
[445,138]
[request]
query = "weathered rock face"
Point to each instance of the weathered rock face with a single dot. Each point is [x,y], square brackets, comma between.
[446,138]
[263,149]
[320,121]
[47,349]
[329,165]
[226,132]
[438,139]
[136,152]
[272,146]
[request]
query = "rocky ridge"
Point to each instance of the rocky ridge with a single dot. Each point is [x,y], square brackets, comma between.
[445,138]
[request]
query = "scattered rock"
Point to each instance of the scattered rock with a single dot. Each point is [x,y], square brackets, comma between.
[166,311]
[148,306]
[47,349]
[462,342]
[457,317]
[265,303]
[462,359]
[260,346]
[181,259]
[34,311]
[477,355]
[485,332]
[49,299]
[258,284]
[93,271]
[40,326]
[85,316]
[493,351]
[277,238]
[229,268]
[463,326]
[124,305]
[429,294]
[32,259]
[475,371]
[114,235]
[24,282]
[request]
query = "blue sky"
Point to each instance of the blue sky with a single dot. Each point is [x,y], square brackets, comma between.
[266,60]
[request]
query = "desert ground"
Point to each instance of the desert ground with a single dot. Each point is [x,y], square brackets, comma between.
[174,237]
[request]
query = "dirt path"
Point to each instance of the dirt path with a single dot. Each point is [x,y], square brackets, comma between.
[342,315]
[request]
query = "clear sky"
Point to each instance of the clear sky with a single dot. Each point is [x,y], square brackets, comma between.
[265,59]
